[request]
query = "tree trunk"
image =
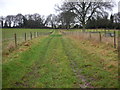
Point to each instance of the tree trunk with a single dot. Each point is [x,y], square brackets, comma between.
[1,24]
[83,27]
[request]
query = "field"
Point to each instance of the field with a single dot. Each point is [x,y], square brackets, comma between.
[59,59]
[8,38]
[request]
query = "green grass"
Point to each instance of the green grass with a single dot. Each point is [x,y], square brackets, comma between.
[57,61]
[95,30]
[54,66]
[8,33]
[8,36]
[91,66]
[16,68]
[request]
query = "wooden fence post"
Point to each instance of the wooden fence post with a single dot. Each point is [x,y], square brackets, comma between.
[90,34]
[118,41]
[37,34]
[30,35]
[105,32]
[25,37]
[100,36]
[15,39]
[114,39]
[34,34]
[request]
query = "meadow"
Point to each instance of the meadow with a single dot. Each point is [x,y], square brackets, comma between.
[60,59]
[8,37]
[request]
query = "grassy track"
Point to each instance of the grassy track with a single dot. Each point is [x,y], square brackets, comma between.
[89,67]
[57,61]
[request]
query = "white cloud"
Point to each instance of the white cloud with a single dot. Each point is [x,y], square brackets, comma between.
[43,7]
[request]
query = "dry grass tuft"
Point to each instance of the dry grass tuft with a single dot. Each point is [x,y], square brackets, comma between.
[10,47]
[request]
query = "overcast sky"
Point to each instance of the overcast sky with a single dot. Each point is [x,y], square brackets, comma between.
[43,7]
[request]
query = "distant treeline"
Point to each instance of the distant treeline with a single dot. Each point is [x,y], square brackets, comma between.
[23,21]
[63,20]
[104,22]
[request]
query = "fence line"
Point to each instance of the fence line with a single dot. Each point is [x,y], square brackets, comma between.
[25,37]
[101,36]
[114,39]
[35,34]
[15,39]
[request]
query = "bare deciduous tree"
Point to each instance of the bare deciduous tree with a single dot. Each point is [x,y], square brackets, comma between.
[1,21]
[67,18]
[9,20]
[86,10]
[52,20]
[117,17]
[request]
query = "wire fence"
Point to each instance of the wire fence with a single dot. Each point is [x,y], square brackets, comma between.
[9,44]
[104,36]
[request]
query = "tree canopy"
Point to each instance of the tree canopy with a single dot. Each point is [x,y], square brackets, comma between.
[71,15]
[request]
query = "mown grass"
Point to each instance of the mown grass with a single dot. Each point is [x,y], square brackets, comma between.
[9,33]
[100,69]
[48,55]
[56,72]
[56,61]
[8,39]
[94,30]
[16,68]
